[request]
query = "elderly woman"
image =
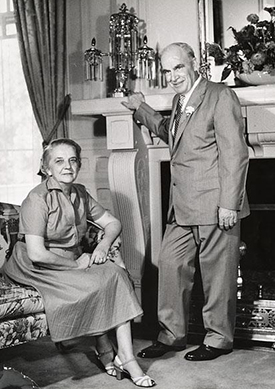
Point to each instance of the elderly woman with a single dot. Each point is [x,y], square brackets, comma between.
[84,294]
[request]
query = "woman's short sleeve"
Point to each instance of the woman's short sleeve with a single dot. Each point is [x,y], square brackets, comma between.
[95,210]
[33,215]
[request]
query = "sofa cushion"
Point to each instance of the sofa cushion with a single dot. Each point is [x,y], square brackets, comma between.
[17,301]
[23,329]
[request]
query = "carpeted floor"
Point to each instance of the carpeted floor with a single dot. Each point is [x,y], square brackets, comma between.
[242,369]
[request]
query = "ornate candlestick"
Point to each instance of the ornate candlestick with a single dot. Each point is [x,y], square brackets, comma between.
[123,43]
[93,64]
[126,58]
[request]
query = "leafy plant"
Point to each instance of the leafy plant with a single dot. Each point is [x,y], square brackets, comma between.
[254,48]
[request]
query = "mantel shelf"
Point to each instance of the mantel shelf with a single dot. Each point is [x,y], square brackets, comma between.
[113,105]
[249,96]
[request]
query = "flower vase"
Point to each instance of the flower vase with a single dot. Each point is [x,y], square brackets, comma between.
[256,78]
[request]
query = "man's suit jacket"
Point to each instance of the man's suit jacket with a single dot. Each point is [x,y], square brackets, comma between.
[209,157]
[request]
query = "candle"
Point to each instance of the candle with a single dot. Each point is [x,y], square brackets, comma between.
[122,44]
[87,70]
[147,69]
[101,71]
[111,65]
[92,67]
[153,67]
[138,69]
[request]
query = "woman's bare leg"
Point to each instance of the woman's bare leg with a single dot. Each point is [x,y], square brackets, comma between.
[103,343]
[125,349]
[105,349]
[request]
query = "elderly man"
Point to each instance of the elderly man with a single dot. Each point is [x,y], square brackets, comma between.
[209,161]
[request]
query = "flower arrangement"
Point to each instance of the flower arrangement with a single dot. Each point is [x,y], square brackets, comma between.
[189,110]
[254,48]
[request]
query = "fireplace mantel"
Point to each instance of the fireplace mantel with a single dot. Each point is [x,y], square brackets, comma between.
[134,168]
[249,96]
[258,107]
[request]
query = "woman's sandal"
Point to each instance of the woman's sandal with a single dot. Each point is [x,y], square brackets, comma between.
[109,367]
[144,381]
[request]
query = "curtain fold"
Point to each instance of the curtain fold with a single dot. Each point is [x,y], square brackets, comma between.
[41,28]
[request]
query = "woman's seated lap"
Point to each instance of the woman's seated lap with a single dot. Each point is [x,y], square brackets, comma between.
[84,292]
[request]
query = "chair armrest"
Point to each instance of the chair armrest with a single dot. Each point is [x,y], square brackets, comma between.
[9,215]
[94,235]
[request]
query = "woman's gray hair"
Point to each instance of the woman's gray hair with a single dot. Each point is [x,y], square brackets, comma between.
[57,142]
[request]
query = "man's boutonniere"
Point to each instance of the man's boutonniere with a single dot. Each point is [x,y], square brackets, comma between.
[189,110]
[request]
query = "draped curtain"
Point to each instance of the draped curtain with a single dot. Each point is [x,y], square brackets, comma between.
[41,28]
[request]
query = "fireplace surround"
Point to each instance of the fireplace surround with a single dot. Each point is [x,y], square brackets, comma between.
[136,163]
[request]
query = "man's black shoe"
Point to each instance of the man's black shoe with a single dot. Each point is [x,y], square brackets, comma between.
[157,349]
[206,353]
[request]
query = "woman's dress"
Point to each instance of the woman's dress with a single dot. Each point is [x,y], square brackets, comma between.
[77,302]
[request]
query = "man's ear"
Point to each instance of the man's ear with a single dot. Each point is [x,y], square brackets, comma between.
[195,64]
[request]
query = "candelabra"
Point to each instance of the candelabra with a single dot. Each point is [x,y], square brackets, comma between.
[126,57]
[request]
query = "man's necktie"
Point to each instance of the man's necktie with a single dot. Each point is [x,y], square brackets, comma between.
[178,114]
